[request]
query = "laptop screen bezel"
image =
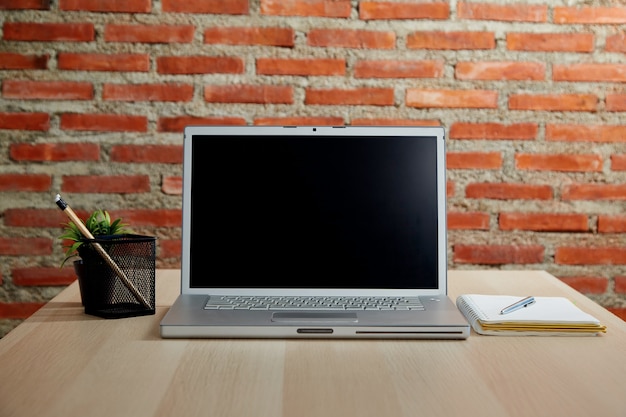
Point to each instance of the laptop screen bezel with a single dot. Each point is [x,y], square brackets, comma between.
[376,131]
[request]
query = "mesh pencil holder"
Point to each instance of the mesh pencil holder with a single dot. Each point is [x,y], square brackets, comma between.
[117,275]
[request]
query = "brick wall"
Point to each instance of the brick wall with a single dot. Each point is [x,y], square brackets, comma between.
[94,96]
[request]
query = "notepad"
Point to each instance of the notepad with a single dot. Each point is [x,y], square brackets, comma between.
[548,316]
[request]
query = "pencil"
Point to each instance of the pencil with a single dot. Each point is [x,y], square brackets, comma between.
[85,232]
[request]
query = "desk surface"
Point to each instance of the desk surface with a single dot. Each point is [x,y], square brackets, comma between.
[61,362]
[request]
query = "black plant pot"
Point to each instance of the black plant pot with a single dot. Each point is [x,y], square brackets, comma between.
[120,282]
[79,269]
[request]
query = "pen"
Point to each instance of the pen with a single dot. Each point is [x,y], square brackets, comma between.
[85,232]
[524,302]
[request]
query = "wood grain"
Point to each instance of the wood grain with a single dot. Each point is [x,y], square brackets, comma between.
[63,362]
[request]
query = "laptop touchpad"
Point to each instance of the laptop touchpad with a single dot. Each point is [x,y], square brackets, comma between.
[316,317]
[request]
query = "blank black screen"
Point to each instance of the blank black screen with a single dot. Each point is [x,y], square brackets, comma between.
[315,212]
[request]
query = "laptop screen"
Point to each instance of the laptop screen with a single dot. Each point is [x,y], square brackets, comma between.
[307,211]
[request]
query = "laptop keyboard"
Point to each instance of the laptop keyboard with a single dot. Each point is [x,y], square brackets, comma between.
[325,303]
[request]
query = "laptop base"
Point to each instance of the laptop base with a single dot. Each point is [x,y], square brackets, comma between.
[183,321]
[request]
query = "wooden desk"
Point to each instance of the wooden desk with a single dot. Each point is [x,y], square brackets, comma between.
[61,362]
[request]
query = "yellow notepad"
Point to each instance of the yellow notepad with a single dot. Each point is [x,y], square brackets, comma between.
[548,316]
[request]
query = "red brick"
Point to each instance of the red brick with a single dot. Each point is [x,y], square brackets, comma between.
[147,92]
[160,154]
[39,152]
[390,68]
[25,182]
[611,224]
[559,162]
[618,311]
[616,43]
[308,67]
[25,246]
[104,62]
[120,184]
[450,189]
[554,102]
[315,8]
[199,65]
[494,131]
[25,121]
[42,276]
[372,10]
[178,123]
[550,42]
[351,38]
[350,97]
[258,94]
[170,248]
[206,6]
[13,61]
[22,217]
[47,90]
[594,192]
[80,212]
[474,160]
[150,217]
[589,15]
[498,254]
[54,218]
[586,133]
[299,121]
[380,121]
[590,72]
[267,36]
[468,221]
[148,33]
[620,287]
[618,162]
[616,102]
[506,191]
[587,284]
[126,6]
[508,70]
[469,99]
[544,222]
[18,311]
[609,255]
[506,13]
[48,32]
[172,185]
[24,4]
[104,122]
[451,40]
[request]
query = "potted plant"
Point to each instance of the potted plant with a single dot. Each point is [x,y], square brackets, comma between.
[116,269]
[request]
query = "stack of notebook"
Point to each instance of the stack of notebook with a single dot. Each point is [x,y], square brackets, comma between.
[547,316]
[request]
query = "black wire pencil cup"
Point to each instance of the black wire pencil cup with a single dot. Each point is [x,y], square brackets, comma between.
[116,272]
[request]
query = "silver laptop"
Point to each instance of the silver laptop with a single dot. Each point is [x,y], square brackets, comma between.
[314,232]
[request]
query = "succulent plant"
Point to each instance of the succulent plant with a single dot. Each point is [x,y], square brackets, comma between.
[98,223]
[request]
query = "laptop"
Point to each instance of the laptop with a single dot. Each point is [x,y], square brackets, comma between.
[314,232]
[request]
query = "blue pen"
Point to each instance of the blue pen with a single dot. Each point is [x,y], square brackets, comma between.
[524,302]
